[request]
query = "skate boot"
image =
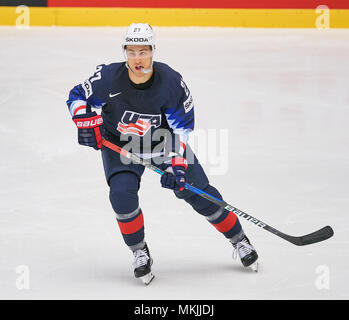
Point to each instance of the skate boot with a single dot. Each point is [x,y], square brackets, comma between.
[247,253]
[142,265]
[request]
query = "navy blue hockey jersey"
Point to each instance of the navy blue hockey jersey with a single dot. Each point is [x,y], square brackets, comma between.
[131,111]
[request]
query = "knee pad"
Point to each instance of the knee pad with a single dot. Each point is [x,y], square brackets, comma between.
[123,193]
[202,205]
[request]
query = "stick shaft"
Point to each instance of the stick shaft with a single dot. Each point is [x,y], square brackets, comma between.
[314,237]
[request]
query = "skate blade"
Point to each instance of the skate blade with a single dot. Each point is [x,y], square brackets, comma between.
[147,278]
[254,266]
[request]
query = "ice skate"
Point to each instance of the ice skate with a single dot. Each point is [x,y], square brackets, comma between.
[142,265]
[247,253]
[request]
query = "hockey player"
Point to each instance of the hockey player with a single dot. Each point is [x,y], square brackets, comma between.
[140,100]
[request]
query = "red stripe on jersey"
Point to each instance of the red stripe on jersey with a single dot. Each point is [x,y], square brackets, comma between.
[78,109]
[227,223]
[130,130]
[132,226]
[135,126]
[139,128]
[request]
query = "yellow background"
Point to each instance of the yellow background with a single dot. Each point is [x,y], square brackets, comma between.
[266,18]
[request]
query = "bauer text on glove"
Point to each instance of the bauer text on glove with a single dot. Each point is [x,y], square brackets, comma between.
[90,129]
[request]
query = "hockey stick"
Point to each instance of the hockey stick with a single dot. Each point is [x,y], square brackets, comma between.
[317,236]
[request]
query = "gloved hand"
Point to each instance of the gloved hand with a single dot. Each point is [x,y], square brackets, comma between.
[175,181]
[90,130]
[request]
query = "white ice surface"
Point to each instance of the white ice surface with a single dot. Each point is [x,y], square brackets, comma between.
[283,97]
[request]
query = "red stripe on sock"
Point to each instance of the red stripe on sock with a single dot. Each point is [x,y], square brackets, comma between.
[132,226]
[227,223]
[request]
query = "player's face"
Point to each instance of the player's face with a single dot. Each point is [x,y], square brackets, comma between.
[139,57]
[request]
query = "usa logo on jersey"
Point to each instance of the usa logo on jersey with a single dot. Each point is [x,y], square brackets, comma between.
[138,123]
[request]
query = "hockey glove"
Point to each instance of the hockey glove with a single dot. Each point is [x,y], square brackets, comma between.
[90,129]
[175,181]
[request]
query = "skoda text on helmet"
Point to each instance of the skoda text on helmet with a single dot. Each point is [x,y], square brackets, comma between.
[140,34]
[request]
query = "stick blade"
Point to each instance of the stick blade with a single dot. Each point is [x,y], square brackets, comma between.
[314,237]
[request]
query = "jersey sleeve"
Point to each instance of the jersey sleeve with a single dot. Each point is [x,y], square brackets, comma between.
[180,115]
[87,93]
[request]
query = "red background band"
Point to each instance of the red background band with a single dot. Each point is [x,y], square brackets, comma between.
[238,4]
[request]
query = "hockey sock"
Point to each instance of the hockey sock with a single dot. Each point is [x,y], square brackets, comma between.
[223,220]
[238,237]
[124,200]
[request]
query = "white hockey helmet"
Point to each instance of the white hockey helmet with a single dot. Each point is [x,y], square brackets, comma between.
[139,34]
